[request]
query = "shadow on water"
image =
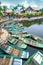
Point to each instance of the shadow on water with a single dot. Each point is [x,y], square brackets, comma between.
[34,27]
[29,23]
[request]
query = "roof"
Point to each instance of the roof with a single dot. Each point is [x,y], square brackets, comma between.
[36,8]
[29,8]
[8,11]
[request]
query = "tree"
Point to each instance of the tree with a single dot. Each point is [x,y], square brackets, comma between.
[0,7]
[0,3]
[1,10]
[23,8]
[12,13]
[4,8]
[15,7]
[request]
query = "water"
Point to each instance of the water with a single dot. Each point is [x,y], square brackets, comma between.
[34,27]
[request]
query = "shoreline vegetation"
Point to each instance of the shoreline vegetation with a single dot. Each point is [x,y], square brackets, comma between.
[28,19]
[28,14]
[3,20]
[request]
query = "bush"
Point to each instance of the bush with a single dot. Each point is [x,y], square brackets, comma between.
[1,14]
[32,14]
[12,13]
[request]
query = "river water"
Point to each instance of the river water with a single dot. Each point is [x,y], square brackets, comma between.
[34,27]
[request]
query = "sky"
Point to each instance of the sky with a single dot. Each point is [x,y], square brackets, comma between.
[26,3]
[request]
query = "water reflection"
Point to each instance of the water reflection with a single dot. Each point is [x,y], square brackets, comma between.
[34,27]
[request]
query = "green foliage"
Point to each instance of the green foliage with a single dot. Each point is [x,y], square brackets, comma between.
[0,9]
[12,13]
[15,7]
[28,14]
[1,14]
[24,14]
[4,8]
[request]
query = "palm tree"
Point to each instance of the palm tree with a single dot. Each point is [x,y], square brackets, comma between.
[4,8]
[0,3]
[23,8]
[0,7]
[15,7]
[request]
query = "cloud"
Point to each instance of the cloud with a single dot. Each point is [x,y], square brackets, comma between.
[5,4]
[8,4]
[33,4]
[25,3]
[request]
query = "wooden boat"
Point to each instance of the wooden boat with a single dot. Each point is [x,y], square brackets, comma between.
[16,42]
[31,41]
[14,29]
[14,51]
[12,25]
[4,34]
[35,59]
[1,52]
[37,38]
[9,60]
[20,34]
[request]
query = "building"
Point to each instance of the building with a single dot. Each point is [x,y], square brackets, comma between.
[29,9]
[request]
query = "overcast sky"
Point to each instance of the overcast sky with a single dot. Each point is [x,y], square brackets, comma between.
[26,3]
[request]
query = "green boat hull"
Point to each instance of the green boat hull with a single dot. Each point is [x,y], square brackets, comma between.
[30,41]
[14,51]
[16,42]
[30,61]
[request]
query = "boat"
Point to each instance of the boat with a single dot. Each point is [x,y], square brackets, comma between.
[35,59]
[4,34]
[22,34]
[16,42]
[12,40]
[37,38]
[14,51]
[12,25]
[1,52]
[14,29]
[29,40]
[9,60]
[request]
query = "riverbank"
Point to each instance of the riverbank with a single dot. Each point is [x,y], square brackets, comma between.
[21,19]
[5,20]
[28,19]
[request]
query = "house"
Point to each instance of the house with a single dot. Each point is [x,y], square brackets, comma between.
[8,11]
[36,9]
[29,9]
